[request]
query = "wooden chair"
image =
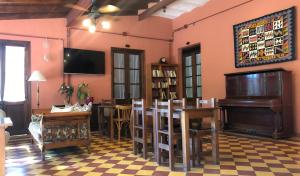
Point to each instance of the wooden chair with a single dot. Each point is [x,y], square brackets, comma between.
[141,127]
[123,117]
[201,133]
[166,136]
[104,110]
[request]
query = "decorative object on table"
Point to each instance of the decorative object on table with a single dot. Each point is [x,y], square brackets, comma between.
[163,60]
[67,91]
[82,92]
[265,40]
[89,100]
[73,108]
[37,76]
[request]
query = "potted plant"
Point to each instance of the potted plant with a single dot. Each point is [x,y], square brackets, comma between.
[82,92]
[67,91]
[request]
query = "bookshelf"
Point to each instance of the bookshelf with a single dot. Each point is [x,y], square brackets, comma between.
[164,81]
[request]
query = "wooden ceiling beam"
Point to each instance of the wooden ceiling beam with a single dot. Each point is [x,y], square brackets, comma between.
[31,16]
[74,14]
[38,2]
[160,5]
[33,9]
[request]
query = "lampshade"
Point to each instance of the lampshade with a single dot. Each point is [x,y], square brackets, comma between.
[37,76]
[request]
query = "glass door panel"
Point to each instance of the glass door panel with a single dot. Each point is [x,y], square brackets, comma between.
[14,87]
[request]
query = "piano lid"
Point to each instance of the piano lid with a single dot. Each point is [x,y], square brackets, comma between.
[256,71]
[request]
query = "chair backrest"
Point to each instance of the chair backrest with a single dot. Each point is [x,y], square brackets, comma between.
[138,105]
[138,108]
[166,106]
[179,103]
[212,102]
[124,111]
[108,101]
[2,113]
[166,109]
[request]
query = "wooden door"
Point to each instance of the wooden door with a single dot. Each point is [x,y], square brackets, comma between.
[192,76]
[14,89]
[127,75]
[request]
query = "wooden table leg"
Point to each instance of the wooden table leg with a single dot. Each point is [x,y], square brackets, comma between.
[100,119]
[111,120]
[155,137]
[185,140]
[215,137]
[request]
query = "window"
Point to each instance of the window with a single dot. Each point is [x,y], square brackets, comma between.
[191,63]
[127,71]
[12,79]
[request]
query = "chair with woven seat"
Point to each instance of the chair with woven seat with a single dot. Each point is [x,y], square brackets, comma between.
[123,118]
[201,133]
[166,135]
[142,128]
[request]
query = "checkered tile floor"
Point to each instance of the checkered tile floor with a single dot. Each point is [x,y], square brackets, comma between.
[238,156]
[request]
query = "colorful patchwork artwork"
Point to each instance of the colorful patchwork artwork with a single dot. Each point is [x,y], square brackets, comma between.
[265,40]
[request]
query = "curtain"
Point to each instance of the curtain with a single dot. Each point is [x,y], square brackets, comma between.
[134,66]
[14,88]
[119,75]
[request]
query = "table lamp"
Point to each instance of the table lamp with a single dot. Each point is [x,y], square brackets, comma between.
[37,76]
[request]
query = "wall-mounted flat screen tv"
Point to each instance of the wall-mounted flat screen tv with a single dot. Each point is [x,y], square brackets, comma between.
[78,61]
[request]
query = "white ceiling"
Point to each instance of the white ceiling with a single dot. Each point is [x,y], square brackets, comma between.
[179,7]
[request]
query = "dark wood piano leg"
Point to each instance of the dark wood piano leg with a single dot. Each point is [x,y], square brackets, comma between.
[223,118]
[277,124]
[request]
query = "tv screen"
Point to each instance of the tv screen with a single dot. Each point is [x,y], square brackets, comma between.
[83,61]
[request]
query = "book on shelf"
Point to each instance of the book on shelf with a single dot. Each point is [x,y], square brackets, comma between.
[171,81]
[157,73]
[165,73]
[170,73]
[173,95]
[163,95]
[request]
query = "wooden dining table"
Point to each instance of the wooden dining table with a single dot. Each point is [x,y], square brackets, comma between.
[185,115]
[192,112]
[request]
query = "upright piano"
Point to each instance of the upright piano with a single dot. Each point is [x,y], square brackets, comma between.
[259,103]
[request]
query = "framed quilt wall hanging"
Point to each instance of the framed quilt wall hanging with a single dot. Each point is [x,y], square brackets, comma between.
[265,40]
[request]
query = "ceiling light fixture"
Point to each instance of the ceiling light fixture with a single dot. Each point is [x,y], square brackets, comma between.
[95,12]
[91,23]
[92,28]
[105,24]
[87,22]
[109,9]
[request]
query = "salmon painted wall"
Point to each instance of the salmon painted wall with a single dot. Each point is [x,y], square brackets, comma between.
[100,86]
[215,34]
[53,68]
[154,49]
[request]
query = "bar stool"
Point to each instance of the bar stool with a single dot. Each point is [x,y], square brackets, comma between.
[142,129]
[166,135]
